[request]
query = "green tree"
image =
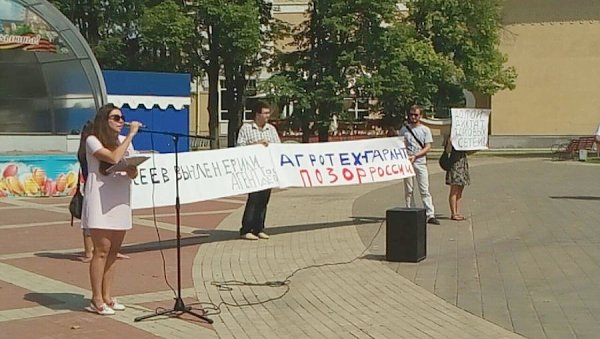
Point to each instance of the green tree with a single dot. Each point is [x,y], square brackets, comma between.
[206,57]
[234,40]
[285,89]
[152,35]
[147,35]
[165,32]
[369,49]
[333,58]
[241,57]
[409,71]
[468,33]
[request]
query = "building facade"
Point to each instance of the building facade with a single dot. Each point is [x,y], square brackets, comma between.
[553,45]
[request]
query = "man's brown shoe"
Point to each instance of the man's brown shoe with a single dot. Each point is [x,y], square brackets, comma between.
[433,221]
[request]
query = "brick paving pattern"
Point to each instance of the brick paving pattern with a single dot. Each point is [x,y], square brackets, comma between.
[525,264]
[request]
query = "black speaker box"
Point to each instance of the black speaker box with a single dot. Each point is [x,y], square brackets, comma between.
[406,234]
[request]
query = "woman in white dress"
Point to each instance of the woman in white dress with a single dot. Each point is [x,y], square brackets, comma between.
[106,209]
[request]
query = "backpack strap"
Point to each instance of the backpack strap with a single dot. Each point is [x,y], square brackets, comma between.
[414,136]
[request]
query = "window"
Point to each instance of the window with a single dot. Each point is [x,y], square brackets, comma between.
[251,100]
[223,104]
[358,107]
[287,110]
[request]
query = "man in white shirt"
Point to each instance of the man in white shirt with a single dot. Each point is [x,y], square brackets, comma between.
[258,131]
[418,143]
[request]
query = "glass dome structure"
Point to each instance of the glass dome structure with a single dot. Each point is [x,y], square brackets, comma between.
[50,82]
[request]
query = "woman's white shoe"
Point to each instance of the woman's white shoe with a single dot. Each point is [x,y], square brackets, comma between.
[114,304]
[102,309]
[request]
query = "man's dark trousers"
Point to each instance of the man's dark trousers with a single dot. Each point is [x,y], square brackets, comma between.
[255,212]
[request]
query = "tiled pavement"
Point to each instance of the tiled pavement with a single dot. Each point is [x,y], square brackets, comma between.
[527,258]
[44,285]
[526,261]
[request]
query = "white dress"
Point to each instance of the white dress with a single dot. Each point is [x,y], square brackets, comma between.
[107,198]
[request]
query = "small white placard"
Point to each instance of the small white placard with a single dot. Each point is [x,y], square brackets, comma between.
[470,129]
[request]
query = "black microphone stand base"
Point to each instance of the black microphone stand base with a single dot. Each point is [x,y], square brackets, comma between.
[177,310]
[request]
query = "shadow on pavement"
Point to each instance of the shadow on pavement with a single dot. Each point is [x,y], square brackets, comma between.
[582,197]
[375,257]
[59,301]
[209,236]
[221,235]
[73,256]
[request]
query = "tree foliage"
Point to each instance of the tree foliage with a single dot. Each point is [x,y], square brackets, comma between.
[165,33]
[365,48]
[333,58]
[410,72]
[468,33]
[345,48]
[212,37]
[147,35]
[234,40]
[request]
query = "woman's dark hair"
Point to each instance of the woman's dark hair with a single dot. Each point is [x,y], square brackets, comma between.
[86,130]
[102,130]
[104,133]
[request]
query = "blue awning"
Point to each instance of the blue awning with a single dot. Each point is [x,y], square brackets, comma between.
[159,100]
[147,83]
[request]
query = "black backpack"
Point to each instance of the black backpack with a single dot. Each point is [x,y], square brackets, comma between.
[76,204]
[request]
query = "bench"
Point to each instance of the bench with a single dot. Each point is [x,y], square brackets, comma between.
[569,150]
[587,143]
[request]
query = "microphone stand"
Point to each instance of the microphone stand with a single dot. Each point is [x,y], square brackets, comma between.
[179,307]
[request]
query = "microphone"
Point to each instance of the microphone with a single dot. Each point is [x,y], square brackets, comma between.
[128,124]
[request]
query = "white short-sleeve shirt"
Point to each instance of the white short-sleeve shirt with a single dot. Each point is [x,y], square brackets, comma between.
[423,133]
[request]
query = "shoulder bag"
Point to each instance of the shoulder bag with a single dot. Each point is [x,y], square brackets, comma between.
[76,204]
[446,160]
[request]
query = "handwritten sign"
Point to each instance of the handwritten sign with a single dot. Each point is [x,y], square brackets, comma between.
[340,163]
[470,128]
[203,175]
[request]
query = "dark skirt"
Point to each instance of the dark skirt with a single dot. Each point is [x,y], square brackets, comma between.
[459,172]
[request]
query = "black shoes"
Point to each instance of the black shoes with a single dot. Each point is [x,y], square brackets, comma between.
[433,221]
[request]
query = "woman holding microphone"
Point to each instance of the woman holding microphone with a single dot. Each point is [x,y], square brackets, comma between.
[106,212]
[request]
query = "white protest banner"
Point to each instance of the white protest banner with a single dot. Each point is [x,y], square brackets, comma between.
[470,128]
[340,163]
[203,175]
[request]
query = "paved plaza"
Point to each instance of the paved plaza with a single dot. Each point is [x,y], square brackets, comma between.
[525,263]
